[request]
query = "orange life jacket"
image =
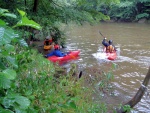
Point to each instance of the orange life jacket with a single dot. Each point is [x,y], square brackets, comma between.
[110,49]
[48,44]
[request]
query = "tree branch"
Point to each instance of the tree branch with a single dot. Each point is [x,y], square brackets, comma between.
[138,95]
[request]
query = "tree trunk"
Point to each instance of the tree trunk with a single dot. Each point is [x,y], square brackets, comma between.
[25,2]
[35,5]
[138,95]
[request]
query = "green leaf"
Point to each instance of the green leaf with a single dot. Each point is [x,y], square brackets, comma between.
[10,74]
[5,53]
[8,102]
[11,99]
[22,13]
[12,61]
[63,105]
[3,11]
[9,15]
[109,75]
[114,65]
[23,42]
[18,110]
[9,48]
[53,110]
[2,66]
[26,22]
[6,35]
[4,82]
[5,110]
[22,101]
[2,23]
[72,104]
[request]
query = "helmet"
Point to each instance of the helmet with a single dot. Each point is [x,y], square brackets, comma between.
[56,47]
[110,41]
[48,37]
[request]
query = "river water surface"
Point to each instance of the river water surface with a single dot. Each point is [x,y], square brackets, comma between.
[133,43]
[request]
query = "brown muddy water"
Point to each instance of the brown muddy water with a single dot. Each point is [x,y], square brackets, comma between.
[133,44]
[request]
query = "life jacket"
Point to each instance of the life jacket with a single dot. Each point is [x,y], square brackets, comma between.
[48,47]
[47,44]
[110,49]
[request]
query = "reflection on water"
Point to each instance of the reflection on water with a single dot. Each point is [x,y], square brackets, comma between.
[132,41]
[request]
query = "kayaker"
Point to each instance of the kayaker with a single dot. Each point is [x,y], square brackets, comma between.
[56,52]
[109,45]
[48,43]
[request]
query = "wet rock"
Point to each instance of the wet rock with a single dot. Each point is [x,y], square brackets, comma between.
[143,20]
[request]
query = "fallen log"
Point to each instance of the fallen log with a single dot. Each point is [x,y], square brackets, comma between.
[138,96]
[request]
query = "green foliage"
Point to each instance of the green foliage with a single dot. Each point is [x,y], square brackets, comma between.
[142,1]
[26,22]
[127,108]
[143,15]
[5,13]
[7,34]
[9,99]
[4,82]
[50,14]
[128,10]
[125,4]
[28,82]
[15,101]
[109,2]
[123,11]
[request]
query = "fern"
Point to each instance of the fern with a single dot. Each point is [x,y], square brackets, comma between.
[125,4]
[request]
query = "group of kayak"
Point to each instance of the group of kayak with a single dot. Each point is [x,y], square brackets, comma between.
[56,55]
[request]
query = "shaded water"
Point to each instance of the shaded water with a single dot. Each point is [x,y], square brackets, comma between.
[132,40]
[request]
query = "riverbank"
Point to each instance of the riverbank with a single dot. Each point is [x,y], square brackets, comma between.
[141,21]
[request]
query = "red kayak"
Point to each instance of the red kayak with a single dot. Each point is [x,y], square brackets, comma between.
[111,56]
[104,55]
[71,56]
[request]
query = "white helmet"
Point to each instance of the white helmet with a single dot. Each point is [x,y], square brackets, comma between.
[48,37]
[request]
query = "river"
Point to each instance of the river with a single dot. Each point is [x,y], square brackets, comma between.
[133,43]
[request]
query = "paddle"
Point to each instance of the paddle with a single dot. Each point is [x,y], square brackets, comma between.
[101,34]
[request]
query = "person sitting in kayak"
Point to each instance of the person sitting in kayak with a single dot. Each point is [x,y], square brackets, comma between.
[110,48]
[48,43]
[56,52]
